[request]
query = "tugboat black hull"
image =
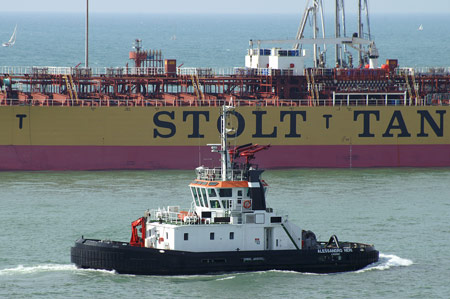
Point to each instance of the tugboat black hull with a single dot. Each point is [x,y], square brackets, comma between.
[126,259]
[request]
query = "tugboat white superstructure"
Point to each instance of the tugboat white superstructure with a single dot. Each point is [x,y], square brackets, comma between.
[228,228]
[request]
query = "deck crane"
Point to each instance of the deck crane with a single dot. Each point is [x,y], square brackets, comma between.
[313,7]
[311,11]
[363,6]
[340,30]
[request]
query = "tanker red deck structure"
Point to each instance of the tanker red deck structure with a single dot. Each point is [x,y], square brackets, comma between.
[154,81]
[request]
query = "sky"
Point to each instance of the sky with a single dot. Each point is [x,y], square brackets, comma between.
[214,6]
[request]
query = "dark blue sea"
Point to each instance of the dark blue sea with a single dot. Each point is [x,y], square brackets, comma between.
[404,212]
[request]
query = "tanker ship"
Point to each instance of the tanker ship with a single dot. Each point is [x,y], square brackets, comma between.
[156,114]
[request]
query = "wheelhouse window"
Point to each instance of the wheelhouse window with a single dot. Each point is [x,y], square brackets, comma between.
[199,195]
[227,203]
[239,192]
[212,192]
[194,193]
[231,235]
[214,204]
[186,236]
[225,192]
[211,236]
[205,199]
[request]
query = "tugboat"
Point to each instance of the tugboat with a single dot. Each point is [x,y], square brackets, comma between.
[228,228]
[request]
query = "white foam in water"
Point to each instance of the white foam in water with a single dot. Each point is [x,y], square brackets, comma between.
[291,272]
[34,269]
[47,268]
[226,278]
[386,262]
[102,271]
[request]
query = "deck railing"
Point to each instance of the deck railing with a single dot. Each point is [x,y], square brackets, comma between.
[202,71]
[173,215]
[345,100]
[80,71]
[417,71]
[214,174]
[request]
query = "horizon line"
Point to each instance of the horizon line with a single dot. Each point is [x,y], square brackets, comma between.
[215,13]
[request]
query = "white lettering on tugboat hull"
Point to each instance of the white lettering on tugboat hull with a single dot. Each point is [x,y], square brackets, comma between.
[334,250]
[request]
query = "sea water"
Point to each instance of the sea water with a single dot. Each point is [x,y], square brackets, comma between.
[218,41]
[404,212]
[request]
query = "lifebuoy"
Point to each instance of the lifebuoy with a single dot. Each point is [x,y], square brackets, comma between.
[247,204]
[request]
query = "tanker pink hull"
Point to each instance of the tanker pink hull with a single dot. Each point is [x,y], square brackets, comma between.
[187,157]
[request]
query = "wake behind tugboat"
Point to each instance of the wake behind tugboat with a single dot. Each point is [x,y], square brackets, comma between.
[229,228]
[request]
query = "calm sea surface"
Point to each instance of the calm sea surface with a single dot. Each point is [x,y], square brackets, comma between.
[202,40]
[404,212]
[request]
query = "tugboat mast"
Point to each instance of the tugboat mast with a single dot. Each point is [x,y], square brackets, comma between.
[225,156]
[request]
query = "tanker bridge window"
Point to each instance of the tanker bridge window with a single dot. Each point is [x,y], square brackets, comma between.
[225,192]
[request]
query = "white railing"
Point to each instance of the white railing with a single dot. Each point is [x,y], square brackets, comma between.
[424,71]
[348,101]
[168,215]
[245,71]
[80,71]
[144,71]
[198,71]
[173,215]
[370,99]
[214,174]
